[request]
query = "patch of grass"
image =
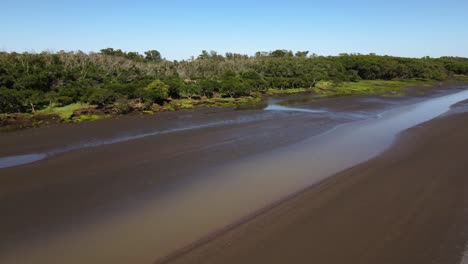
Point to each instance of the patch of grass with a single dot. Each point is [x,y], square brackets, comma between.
[177,104]
[324,84]
[168,108]
[387,88]
[65,112]
[219,102]
[273,91]
[83,118]
[232,102]
[248,100]
[183,103]
[149,112]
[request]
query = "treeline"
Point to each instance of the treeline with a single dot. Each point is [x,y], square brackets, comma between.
[31,81]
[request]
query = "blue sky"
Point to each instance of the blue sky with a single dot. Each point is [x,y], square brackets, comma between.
[180,29]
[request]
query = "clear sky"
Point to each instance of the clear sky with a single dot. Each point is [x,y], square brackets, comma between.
[180,29]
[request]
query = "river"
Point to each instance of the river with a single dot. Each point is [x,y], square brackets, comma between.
[218,196]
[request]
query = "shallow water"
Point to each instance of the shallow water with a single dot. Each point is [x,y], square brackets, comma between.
[16,160]
[12,161]
[271,111]
[275,107]
[222,196]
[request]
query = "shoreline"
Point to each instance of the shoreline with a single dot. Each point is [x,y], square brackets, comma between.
[246,115]
[239,243]
[12,122]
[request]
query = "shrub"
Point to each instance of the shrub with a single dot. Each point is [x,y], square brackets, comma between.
[157,92]
[102,97]
[122,106]
[10,101]
[190,90]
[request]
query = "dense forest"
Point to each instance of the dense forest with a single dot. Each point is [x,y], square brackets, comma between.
[31,81]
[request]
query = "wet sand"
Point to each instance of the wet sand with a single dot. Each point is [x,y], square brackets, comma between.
[92,186]
[408,205]
[96,186]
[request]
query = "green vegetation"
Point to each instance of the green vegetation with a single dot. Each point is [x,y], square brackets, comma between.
[117,82]
[82,118]
[157,91]
[273,91]
[212,102]
[389,88]
[65,112]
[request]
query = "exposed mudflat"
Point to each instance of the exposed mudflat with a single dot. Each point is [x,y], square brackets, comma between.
[408,205]
[123,174]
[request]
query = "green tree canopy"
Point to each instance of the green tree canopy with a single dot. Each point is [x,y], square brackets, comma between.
[153,55]
[157,91]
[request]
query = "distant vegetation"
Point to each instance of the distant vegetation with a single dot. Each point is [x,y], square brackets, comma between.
[126,81]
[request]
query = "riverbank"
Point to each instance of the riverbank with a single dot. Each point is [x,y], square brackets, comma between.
[81,112]
[405,206]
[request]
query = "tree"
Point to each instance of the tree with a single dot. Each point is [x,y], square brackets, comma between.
[157,92]
[232,85]
[34,99]
[281,53]
[301,54]
[102,97]
[260,54]
[153,55]
[107,51]
[31,81]
[204,55]
[208,87]
[254,80]
[10,101]
[134,55]
[190,90]
[175,86]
